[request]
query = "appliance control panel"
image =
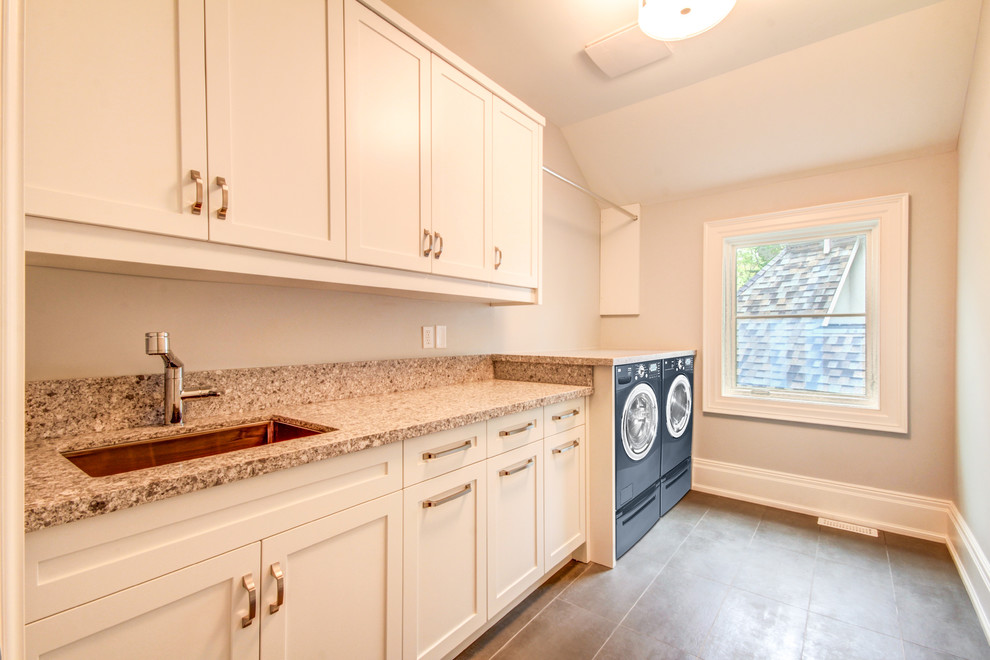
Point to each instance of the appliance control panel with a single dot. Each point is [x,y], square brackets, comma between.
[682,364]
[628,373]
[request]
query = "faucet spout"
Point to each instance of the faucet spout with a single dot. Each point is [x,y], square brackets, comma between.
[156,343]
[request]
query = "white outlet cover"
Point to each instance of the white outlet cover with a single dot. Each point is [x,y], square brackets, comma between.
[441,336]
[427,336]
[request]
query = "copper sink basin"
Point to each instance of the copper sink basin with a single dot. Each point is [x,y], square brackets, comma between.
[128,456]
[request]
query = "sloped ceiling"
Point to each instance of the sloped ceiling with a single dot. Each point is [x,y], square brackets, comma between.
[781,86]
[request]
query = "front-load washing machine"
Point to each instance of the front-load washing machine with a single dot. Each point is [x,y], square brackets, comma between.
[638,422]
[675,435]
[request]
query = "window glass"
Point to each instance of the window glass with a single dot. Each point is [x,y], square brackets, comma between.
[800,316]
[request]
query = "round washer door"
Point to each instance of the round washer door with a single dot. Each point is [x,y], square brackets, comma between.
[679,406]
[640,418]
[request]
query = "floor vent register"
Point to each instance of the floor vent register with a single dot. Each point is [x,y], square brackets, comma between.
[849,527]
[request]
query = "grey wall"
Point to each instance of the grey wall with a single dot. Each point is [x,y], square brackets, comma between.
[973,321]
[82,324]
[922,462]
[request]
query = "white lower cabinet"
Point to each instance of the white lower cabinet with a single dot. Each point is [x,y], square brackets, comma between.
[331,559]
[196,612]
[565,514]
[515,523]
[444,563]
[330,588]
[341,590]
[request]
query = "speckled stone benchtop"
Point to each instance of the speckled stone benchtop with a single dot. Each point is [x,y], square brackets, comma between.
[573,367]
[57,492]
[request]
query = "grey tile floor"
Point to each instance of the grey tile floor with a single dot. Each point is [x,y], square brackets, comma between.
[719,578]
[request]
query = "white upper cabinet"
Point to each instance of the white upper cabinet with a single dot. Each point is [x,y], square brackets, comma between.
[388,143]
[516,165]
[115,122]
[334,139]
[275,105]
[462,147]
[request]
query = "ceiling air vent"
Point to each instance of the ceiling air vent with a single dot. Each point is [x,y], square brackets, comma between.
[625,50]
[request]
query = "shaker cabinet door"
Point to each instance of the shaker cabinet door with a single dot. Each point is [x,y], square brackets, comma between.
[516,187]
[197,612]
[388,143]
[276,124]
[115,114]
[566,519]
[341,579]
[444,576]
[461,200]
[515,524]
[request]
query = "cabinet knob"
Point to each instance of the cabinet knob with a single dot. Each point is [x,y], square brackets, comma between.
[498,257]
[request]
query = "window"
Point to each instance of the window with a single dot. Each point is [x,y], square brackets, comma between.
[805,315]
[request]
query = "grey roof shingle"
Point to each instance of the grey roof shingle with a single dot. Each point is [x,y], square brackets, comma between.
[810,354]
[801,278]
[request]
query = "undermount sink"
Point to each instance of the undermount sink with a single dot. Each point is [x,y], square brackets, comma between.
[129,456]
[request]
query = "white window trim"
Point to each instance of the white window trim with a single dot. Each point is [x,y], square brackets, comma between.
[890,295]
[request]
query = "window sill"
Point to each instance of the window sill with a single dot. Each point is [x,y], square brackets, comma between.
[807,413]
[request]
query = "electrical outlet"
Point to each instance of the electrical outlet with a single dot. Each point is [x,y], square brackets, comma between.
[441,336]
[427,336]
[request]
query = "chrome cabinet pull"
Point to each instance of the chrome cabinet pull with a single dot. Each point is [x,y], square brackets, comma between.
[561,449]
[439,250]
[428,248]
[521,429]
[225,198]
[279,586]
[197,206]
[498,257]
[566,415]
[448,496]
[516,468]
[248,582]
[440,453]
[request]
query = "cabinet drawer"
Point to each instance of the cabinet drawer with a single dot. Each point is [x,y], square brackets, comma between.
[559,417]
[515,430]
[431,455]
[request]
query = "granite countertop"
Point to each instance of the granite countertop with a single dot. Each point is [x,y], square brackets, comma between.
[57,492]
[605,357]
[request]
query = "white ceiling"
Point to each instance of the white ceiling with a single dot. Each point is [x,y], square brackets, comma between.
[780,86]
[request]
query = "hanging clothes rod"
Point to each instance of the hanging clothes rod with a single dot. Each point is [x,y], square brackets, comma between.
[632,216]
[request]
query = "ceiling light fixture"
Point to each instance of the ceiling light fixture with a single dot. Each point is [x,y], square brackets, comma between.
[673,20]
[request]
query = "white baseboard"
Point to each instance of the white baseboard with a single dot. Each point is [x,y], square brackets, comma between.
[911,515]
[974,569]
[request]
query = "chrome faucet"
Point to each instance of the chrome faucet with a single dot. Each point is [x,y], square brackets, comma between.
[156,343]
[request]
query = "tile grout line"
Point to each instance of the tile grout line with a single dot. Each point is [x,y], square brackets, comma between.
[526,625]
[811,593]
[633,606]
[708,633]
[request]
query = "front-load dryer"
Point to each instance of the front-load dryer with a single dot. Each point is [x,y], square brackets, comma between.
[638,422]
[677,399]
